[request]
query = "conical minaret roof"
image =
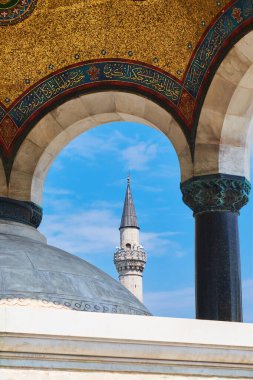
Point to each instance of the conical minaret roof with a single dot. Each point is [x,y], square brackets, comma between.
[129,218]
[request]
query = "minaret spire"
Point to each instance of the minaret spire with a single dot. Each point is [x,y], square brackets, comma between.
[130,258]
[129,218]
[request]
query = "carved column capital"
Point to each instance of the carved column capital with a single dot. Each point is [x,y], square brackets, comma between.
[217,192]
[20,211]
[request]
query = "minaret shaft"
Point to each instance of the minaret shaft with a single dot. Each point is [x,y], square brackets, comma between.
[130,258]
[129,236]
[133,282]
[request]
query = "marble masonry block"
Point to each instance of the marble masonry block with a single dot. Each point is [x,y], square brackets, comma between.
[245,46]
[186,164]
[219,95]
[234,66]
[70,112]
[27,157]
[37,187]
[209,127]
[130,104]
[234,160]
[235,131]
[80,126]
[104,118]
[206,159]
[43,164]
[20,185]
[99,102]
[158,116]
[44,131]
[247,80]
[58,143]
[136,119]
[241,103]
[177,137]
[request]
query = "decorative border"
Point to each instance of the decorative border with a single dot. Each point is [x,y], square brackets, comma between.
[112,71]
[227,22]
[43,300]
[16,11]
[182,98]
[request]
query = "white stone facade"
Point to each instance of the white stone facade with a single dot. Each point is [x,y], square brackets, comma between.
[50,344]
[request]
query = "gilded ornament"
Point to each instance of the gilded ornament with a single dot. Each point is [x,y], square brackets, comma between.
[56,30]
[15,11]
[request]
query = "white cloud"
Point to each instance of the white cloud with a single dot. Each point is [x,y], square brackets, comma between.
[95,231]
[139,156]
[90,232]
[134,153]
[159,244]
[88,147]
[55,191]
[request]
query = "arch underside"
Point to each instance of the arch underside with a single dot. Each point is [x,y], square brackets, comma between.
[224,133]
[61,125]
[183,98]
[209,126]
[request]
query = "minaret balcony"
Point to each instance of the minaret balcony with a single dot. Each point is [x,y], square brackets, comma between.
[130,259]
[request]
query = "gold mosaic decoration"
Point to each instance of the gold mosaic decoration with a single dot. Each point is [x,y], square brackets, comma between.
[59,33]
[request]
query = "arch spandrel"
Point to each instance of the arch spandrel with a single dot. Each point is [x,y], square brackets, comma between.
[60,126]
[224,134]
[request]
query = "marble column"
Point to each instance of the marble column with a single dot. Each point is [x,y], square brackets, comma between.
[216,201]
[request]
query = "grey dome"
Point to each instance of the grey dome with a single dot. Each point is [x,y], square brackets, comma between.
[33,272]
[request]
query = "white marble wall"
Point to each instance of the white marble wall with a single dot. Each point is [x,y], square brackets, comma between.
[38,343]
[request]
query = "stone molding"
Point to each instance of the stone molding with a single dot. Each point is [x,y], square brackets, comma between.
[20,211]
[130,259]
[67,304]
[217,192]
[157,348]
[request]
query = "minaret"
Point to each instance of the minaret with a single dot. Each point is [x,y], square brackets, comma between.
[130,258]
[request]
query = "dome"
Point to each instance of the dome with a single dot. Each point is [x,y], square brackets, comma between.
[33,272]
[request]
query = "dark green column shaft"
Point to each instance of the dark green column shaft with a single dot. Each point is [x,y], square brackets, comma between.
[217,262]
[216,201]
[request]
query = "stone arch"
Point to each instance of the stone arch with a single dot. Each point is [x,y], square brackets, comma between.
[224,133]
[61,125]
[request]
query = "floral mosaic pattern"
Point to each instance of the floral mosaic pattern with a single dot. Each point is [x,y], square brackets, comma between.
[14,11]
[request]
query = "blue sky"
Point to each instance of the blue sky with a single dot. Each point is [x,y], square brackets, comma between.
[83,199]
